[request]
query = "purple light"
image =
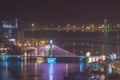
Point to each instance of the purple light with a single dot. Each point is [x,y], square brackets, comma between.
[57,51]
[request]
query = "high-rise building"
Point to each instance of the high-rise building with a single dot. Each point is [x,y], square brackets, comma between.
[8,32]
[2,37]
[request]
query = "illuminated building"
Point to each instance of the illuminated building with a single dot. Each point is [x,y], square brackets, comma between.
[9,31]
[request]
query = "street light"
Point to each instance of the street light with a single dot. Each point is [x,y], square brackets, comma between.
[33,25]
[32,29]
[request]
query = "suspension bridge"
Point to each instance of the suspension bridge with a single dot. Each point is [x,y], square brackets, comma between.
[28,30]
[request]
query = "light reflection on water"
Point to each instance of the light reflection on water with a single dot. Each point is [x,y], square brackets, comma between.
[82,67]
[51,72]
[36,71]
[42,71]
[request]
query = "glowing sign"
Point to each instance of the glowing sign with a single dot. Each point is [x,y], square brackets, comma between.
[89,60]
[9,26]
[93,59]
[97,58]
[12,40]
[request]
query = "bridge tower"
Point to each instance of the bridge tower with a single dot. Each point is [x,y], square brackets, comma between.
[106,36]
[51,59]
[51,50]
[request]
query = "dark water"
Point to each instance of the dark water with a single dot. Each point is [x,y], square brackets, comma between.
[36,71]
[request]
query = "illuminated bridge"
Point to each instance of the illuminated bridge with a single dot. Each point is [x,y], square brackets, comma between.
[68,36]
[25,29]
[42,52]
[57,52]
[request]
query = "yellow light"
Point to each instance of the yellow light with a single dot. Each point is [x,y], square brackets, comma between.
[97,58]
[92,25]
[25,44]
[43,42]
[74,26]
[89,60]
[33,24]
[19,44]
[40,60]
[25,54]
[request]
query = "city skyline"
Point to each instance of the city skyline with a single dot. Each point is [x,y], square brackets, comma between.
[61,11]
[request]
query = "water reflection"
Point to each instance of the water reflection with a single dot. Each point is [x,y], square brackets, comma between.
[82,67]
[51,72]
[66,68]
[43,71]
[10,70]
[35,71]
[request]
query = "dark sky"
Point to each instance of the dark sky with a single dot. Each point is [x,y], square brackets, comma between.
[61,11]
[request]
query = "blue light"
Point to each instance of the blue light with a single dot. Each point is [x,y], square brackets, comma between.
[51,60]
[81,58]
[5,58]
[82,66]
[51,71]
[95,64]
[5,63]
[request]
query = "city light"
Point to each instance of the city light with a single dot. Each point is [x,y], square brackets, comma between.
[88,54]
[51,41]
[51,60]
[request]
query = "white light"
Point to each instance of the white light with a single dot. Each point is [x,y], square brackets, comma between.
[97,58]
[88,54]
[93,59]
[114,55]
[51,41]
[111,56]
[12,40]
[103,57]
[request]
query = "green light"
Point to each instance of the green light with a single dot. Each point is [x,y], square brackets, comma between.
[106,36]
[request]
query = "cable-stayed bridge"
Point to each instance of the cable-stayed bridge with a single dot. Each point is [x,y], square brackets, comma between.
[42,52]
[57,52]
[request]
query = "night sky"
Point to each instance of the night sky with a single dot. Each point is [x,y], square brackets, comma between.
[61,11]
